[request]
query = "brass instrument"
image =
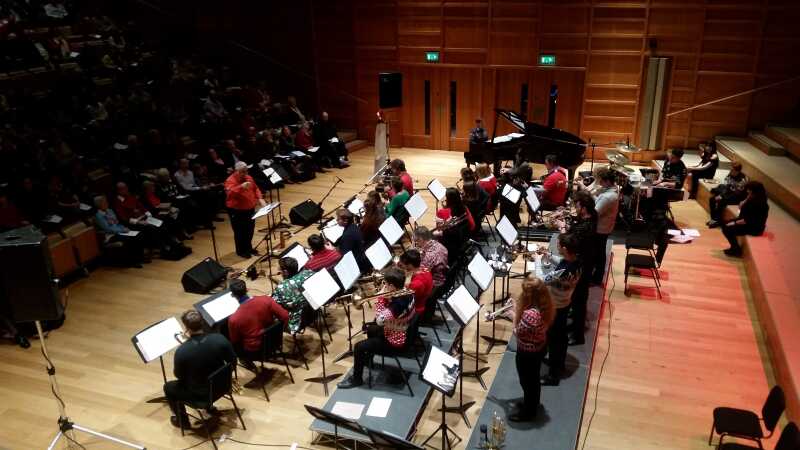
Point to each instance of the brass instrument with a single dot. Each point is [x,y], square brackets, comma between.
[490,316]
[451,222]
[386,295]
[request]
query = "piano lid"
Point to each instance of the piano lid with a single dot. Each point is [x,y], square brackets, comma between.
[544,132]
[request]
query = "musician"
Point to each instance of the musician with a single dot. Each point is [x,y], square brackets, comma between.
[752,219]
[478,135]
[488,183]
[583,227]
[476,201]
[323,256]
[567,270]
[392,316]
[398,168]
[197,358]
[518,178]
[399,198]
[606,204]
[421,278]
[730,192]
[352,239]
[454,224]
[673,174]
[434,254]
[705,169]
[289,294]
[532,315]
[246,325]
[553,192]
[242,196]
[374,215]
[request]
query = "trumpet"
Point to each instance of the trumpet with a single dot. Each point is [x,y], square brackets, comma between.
[451,222]
[490,316]
[387,295]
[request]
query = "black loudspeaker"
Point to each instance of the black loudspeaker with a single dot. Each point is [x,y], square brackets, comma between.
[390,90]
[28,287]
[203,277]
[305,213]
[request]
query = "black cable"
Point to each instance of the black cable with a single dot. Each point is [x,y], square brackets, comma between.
[265,445]
[52,368]
[605,358]
[73,440]
[198,444]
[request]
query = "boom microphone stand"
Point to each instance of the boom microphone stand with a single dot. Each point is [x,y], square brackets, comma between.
[66,428]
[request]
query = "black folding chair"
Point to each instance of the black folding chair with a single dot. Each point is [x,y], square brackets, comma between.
[272,347]
[219,385]
[789,440]
[307,318]
[651,261]
[409,347]
[744,424]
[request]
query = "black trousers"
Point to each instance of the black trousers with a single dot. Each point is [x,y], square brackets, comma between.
[580,296]
[364,350]
[132,249]
[732,232]
[528,366]
[717,207]
[243,228]
[557,342]
[175,391]
[246,355]
[599,259]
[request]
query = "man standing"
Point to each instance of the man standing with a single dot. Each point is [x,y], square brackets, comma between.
[247,324]
[195,360]
[242,197]
[606,203]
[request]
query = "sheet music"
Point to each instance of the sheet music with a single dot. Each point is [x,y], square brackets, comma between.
[298,153]
[130,233]
[532,199]
[356,207]
[378,254]
[462,303]
[85,207]
[347,270]
[379,407]
[507,230]
[481,271]
[348,410]
[153,221]
[416,206]
[158,339]
[319,288]
[511,193]
[221,307]
[333,231]
[312,149]
[506,138]
[441,370]
[54,218]
[275,178]
[437,189]
[299,253]
[334,140]
[268,171]
[391,230]
[265,210]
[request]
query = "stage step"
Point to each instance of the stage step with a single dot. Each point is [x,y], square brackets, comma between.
[356,145]
[765,144]
[780,174]
[348,135]
[788,137]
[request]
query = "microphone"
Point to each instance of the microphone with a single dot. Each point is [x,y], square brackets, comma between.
[339,179]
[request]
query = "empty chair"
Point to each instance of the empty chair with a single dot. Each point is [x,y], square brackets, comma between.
[789,440]
[650,261]
[746,424]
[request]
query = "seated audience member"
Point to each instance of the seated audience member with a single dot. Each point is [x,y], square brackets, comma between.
[331,146]
[488,182]
[434,254]
[133,214]
[392,317]
[398,168]
[421,279]
[752,219]
[673,174]
[399,198]
[553,192]
[231,151]
[169,192]
[303,137]
[374,215]
[195,360]
[218,168]
[10,216]
[454,224]
[292,114]
[289,292]
[730,192]
[214,109]
[246,326]
[62,201]
[207,197]
[114,232]
[171,215]
[352,240]
[322,255]
[705,169]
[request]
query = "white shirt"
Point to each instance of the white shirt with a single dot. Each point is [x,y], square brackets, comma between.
[606,203]
[186,180]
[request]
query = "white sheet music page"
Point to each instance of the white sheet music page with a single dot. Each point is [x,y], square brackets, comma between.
[221,307]
[347,270]
[532,199]
[265,210]
[333,231]
[299,253]
[391,230]
[511,193]
[378,254]
[436,370]
[481,271]
[463,304]
[268,171]
[159,339]
[319,288]
[416,206]
[348,410]
[356,207]
[507,230]
[437,189]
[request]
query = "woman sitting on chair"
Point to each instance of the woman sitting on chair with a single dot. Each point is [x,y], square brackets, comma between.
[454,223]
[752,218]
[392,317]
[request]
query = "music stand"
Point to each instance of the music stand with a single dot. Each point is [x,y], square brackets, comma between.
[297,252]
[332,231]
[347,272]
[391,230]
[416,207]
[336,420]
[378,254]
[154,342]
[218,307]
[385,440]
[318,289]
[441,372]
[437,189]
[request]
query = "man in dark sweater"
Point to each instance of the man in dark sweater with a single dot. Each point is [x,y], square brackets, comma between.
[197,358]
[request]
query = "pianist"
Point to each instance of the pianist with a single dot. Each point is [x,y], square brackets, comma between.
[478,135]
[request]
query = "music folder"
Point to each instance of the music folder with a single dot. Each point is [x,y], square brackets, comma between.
[347,270]
[507,230]
[217,307]
[391,230]
[440,371]
[378,254]
[319,288]
[462,305]
[437,189]
[332,231]
[298,252]
[265,210]
[157,339]
[356,206]
[480,271]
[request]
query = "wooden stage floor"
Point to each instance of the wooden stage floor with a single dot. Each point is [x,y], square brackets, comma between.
[671,360]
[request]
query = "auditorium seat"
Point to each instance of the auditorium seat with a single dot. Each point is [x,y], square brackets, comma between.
[62,255]
[84,240]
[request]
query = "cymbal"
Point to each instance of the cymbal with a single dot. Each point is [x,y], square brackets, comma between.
[617,158]
[625,147]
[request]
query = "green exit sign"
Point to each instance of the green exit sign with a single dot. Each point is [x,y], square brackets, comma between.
[547,60]
[432,57]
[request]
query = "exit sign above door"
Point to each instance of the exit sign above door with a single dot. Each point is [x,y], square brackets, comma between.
[547,60]
[432,57]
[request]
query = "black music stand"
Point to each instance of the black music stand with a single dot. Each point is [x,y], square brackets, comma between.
[502,268]
[318,290]
[336,420]
[436,189]
[386,440]
[438,372]
[165,328]
[346,273]
[463,308]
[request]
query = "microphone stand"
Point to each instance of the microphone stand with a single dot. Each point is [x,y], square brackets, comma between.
[319,204]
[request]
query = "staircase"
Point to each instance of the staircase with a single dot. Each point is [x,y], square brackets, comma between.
[351,140]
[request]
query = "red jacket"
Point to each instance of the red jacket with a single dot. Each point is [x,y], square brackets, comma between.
[245,326]
[238,197]
[128,208]
[323,259]
[444,214]
[422,285]
[555,187]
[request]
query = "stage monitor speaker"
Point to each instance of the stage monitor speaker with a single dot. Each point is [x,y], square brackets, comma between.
[390,90]
[305,213]
[203,277]
[27,284]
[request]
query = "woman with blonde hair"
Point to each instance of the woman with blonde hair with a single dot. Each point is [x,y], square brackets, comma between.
[533,313]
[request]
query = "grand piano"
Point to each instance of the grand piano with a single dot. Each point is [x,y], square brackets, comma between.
[531,142]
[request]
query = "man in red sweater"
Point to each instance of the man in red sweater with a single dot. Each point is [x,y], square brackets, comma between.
[322,256]
[246,325]
[554,188]
[242,197]
[421,278]
[399,170]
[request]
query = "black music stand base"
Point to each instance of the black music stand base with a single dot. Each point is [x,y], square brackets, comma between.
[447,443]
[462,407]
[162,399]
[325,378]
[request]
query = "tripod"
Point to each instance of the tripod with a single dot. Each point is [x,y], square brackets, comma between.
[66,428]
[325,378]
[445,429]
[463,407]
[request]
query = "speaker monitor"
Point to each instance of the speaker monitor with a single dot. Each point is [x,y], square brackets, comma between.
[390,90]
[203,277]
[28,288]
[305,213]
